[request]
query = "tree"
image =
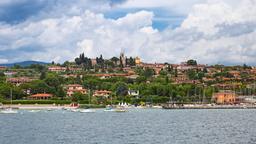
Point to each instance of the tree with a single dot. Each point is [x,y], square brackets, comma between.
[84,61]
[52,81]
[16,66]
[100,61]
[148,72]
[141,79]
[192,75]
[2,77]
[163,72]
[176,72]
[192,62]
[130,61]
[5,91]
[60,92]
[43,75]
[115,60]
[121,89]
[77,97]
[246,67]
[37,86]
[66,63]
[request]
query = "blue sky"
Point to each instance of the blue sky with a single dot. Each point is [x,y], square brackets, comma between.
[216,31]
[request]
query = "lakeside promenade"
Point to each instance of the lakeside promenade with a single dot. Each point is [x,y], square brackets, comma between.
[209,106]
[165,106]
[38,106]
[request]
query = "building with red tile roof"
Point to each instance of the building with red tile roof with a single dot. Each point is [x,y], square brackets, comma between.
[57,69]
[102,93]
[73,88]
[40,96]
[3,67]
[19,80]
[224,97]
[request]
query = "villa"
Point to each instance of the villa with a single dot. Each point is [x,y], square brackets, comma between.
[3,67]
[19,80]
[224,97]
[133,92]
[102,93]
[72,88]
[40,96]
[57,69]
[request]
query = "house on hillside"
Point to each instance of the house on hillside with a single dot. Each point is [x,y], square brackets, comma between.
[134,93]
[224,97]
[57,69]
[73,88]
[3,68]
[102,93]
[40,96]
[19,80]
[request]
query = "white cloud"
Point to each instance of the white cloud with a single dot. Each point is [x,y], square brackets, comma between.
[3,60]
[213,32]
[179,6]
[206,17]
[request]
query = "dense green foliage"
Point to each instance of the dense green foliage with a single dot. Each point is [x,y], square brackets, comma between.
[152,88]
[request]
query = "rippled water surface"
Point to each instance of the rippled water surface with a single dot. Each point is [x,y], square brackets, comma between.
[136,126]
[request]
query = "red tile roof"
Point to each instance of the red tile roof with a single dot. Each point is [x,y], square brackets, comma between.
[74,85]
[41,95]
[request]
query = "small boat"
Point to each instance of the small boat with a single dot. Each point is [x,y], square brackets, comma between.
[9,111]
[120,109]
[109,109]
[34,111]
[49,109]
[157,107]
[74,110]
[86,111]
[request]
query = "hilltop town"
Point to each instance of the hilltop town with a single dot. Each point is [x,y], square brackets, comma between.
[102,81]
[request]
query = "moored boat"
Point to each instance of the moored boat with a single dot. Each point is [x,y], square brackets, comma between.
[86,111]
[8,111]
[109,109]
[120,109]
[34,111]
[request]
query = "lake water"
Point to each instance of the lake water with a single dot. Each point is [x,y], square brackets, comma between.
[137,126]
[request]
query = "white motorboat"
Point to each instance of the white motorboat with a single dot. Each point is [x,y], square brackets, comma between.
[109,109]
[74,110]
[34,111]
[120,109]
[9,111]
[157,107]
[86,111]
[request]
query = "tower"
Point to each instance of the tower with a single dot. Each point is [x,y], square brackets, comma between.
[137,61]
[122,59]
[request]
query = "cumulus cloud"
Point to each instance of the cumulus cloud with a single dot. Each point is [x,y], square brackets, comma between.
[213,32]
[64,38]
[3,60]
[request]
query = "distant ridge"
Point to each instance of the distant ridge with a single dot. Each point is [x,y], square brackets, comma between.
[24,63]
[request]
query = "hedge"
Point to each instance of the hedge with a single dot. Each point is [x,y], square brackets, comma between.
[38,102]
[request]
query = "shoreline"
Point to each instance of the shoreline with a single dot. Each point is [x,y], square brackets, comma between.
[38,106]
[55,107]
[210,107]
